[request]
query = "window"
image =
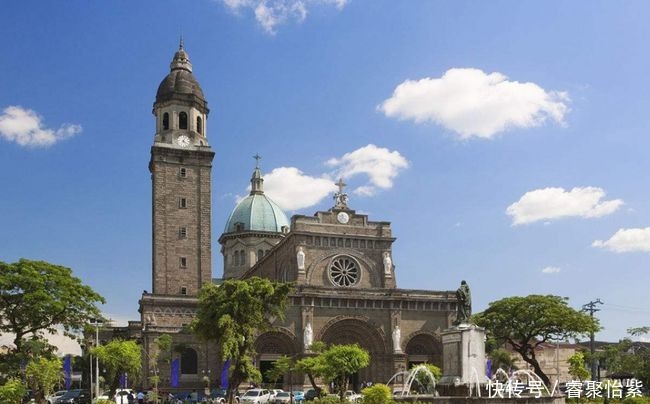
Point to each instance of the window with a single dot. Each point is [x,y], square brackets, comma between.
[242,257]
[182,172]
[260,254]
[344,271]
[182,120]
[236,259]
[165,121]
[183,262]
[183,290]
[239,227]
[199,124]
[182,203]
[182,232]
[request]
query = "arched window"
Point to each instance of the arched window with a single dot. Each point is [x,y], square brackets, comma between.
[189,362]
[182,120]
[236,259]
[242,257]
[199,124]
[165,121]
[260,254]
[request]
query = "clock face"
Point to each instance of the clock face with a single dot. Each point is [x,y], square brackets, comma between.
[183,141]
[343,217]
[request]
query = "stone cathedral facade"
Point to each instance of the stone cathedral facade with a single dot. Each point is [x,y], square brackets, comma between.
[340,260]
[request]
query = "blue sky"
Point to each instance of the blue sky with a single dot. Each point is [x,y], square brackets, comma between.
[506,141]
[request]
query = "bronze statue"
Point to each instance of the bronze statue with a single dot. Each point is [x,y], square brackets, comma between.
[464,297]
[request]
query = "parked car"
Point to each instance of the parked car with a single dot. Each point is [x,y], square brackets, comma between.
[54,398]
[352,396]
[285,397]
[220,395]
[275,392]
[256,396]
[311,394]
[76,396]
[299,396]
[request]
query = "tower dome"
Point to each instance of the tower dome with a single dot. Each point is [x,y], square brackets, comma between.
[256,212]
[180,84]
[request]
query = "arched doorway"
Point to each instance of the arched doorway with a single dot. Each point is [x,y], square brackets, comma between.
[370,338]
[269,347]
[424,347]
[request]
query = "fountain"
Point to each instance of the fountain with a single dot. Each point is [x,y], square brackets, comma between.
[411,376]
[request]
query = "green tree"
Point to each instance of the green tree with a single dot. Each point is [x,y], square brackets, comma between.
[313,366]
[161,348]
[527,322]
[628,356]
[377,394]
[232,314]
[342,361]
[118,357]
[12,392]
[577,366]
[37,297]
[42,375]
[425,384]
[501,359]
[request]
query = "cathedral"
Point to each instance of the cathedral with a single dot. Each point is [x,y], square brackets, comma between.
[340,261]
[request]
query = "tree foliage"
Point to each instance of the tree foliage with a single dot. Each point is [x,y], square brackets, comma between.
[232,314]
[36,297]
[118,357]
[628,356]
[341,362]
[377,394]
[577,366]
[502,359]
[12,392]
[313,366]
[424,382]
[526,322]
[42,375]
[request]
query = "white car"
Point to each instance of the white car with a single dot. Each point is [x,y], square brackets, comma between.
[352,396]
[275,392]
[53,398]
[256,396]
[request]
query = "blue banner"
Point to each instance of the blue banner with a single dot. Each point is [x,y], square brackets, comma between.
[224,374]
[123,380]
[67,371]
[175,372]
[488,368]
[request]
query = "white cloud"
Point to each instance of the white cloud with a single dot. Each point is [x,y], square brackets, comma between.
[557,203]
[292,189]
[551,270]
[471,102]
[627,240]
[380,165]
[25,127]
[271,13]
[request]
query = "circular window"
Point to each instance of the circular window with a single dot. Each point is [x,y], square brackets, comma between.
[344,271]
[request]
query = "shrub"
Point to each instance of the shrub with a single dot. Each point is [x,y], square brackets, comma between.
[12,392]
[329,400]
[377,394]
[104,401]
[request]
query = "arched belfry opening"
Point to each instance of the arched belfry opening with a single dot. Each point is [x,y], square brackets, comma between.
[182,120]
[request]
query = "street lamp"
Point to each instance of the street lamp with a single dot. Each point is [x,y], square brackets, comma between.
[96,322]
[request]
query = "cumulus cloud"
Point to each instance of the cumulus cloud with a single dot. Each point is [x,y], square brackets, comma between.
[271,13]
[627,240]
[557,203]
[471,102]
[379,164]
[292,189]
[26,128]
[551,270]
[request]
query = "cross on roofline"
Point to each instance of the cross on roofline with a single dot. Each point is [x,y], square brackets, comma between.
[341,185]
[257,158]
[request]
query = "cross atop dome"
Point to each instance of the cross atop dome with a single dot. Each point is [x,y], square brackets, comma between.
[257,158]
[340,198]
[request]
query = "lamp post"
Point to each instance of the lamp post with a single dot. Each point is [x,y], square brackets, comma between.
[96,322]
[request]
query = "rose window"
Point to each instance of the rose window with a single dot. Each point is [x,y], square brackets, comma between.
[344,271]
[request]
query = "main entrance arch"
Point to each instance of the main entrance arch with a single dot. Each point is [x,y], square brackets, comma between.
[424,347]
[272,345]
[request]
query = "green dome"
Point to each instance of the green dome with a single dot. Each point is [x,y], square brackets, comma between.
[257,212]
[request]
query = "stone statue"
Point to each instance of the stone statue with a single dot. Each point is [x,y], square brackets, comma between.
[397,336]
[388,263]
[300,258]
[308,336]
[464,298]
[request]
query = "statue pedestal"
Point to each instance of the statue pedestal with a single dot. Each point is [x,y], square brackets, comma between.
[463,358]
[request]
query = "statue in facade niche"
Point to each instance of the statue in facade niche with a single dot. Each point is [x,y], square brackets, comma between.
[308,336]
[300,258]
[397,336]
[464,303]
[388,263]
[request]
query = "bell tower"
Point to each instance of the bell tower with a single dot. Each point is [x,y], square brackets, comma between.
[180,166]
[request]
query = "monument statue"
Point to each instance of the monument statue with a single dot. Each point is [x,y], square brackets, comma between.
[300,258]
[464,298]
[308,336]
[388,263]
[340,198]
[397,336]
